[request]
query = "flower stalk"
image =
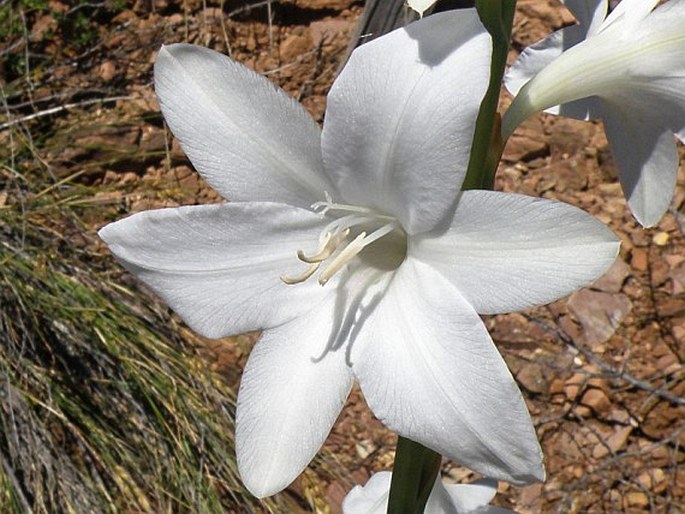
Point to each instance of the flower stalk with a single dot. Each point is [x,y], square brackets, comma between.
[414,472]
[497,16]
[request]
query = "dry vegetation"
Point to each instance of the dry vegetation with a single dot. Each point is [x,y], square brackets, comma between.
[108,404]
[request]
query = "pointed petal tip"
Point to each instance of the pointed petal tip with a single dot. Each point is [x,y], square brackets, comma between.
[102,232]
[164,52]
[113,231]
[260,482]
[174,51]
[530,469]
[645,218]
[259,487]
[539,474]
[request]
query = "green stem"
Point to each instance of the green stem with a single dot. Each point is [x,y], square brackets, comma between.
[498,17]
[413,475]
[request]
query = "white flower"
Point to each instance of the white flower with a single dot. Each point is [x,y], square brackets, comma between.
[370,207]
[471,498]
[628,70]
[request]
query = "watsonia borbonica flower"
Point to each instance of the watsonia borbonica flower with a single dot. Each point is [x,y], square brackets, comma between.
[628,69]
[354,251]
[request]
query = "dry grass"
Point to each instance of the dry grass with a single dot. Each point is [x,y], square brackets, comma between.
[101,406]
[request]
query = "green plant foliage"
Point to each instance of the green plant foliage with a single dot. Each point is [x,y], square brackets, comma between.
[102,407]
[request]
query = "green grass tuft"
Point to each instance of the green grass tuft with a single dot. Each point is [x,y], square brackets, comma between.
[103,408]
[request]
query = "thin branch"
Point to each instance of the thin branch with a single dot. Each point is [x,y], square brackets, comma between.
[605,366]
[61,108]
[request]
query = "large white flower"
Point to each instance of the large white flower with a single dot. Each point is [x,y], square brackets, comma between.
[474,498]
[628,69]
[354,252]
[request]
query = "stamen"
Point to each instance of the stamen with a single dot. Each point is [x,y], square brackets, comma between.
[301,278]
[347,253]
[344,223]
[322,252]
[352,249]
[333,239]
[328,245]
[384,230]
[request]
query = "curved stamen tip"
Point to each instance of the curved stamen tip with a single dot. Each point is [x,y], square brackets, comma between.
[313,267]
[322,252]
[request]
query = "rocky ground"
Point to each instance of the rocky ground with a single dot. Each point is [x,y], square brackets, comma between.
[602,371]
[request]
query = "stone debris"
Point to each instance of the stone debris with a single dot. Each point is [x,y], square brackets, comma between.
[599,313]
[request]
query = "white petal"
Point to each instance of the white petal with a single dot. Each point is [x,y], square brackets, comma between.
[505,252]
[291,393]
[247,138]
[628,13]
[439,500]
[590,15]
[401,116]
[654,73]
[219,266]
[670,9]
[646,158]
[372,498]
[625,59]
[654,82]
[431,373]
[469,497]
[535,57]
[599,66]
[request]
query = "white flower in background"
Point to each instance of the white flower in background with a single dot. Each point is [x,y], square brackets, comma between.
[473,498]
[420,6]
[354,252]
[628,70]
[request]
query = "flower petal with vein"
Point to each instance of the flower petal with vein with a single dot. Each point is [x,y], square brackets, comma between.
[473,498]
[628,69]
[354,252]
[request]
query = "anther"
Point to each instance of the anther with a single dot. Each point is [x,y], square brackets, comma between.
[352,249]
[322,252]
[301,278]
[329,243]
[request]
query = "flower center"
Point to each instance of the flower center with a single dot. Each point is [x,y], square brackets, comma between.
[353,231]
